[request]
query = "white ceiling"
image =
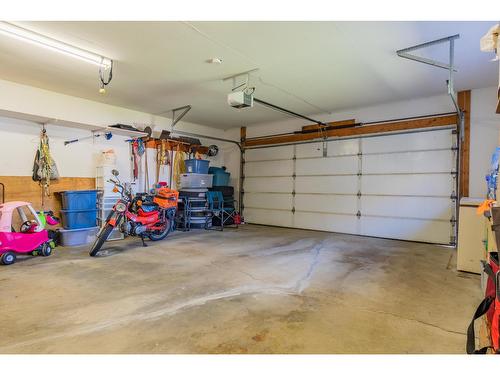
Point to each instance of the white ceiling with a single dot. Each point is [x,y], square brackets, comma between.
[308,67]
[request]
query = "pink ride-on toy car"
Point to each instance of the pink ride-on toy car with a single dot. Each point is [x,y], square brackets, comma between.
[31,238]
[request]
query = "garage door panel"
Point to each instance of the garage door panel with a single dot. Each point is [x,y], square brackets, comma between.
[343,204]
[343,147]
[408,142]
[405,186]
[326,184]
[410,207]
[268,185]
[340,165]
[269,168]
[421,185]
[269,201]
[326,222]
[271,153]
[309,150]
[406,229]
[411,162]
[269,217]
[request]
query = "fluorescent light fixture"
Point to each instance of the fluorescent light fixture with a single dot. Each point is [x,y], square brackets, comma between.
[25,35]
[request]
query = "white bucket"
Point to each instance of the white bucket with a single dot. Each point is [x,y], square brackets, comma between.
[108,157]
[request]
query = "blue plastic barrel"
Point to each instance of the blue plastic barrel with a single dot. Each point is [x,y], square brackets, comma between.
[79,199]
[196,166]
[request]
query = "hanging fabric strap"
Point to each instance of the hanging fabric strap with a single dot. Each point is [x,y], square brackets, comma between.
[482,309]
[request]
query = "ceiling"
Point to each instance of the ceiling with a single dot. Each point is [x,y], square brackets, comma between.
[307,67]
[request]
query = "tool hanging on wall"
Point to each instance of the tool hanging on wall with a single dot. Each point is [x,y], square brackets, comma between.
[108,136]
[162,158]
[179,167]
[135,158]
[44,166]
[136,150]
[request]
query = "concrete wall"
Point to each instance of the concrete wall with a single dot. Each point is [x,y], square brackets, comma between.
[485,126]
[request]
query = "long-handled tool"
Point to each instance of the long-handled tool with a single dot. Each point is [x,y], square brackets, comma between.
[106,135]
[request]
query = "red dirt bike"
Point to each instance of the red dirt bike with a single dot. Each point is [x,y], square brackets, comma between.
[144,215]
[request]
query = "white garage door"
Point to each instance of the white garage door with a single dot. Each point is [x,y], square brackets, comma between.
[398,186]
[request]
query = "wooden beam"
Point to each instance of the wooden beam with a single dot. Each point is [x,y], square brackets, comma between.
[330,124]
[464,104]
[23,188]
[427,122]
[173,145]
[243,135]
[498,103]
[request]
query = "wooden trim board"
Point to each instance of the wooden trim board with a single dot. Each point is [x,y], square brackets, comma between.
[330,124]
[428,122]
[464,102]
[23,188]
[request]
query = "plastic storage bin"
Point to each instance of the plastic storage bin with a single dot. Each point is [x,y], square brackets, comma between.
[196,166]
[221,179]
[215,170]
[79,199]
[196,180]
[77,237]
[76,219]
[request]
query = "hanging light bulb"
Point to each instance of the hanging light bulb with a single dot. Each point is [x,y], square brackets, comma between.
[103,82]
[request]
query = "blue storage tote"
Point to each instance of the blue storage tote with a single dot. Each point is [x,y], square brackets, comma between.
[77,219]
[79,199]
[221,177]
[196,166]
[215,170]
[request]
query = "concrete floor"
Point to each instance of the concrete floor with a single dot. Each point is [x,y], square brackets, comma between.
[252,290]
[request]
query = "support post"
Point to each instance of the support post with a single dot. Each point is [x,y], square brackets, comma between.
[243,138]
[464,103]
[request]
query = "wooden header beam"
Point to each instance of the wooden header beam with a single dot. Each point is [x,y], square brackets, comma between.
[463,99]
[328,125]
[172,145]
[427,122]
[243,135]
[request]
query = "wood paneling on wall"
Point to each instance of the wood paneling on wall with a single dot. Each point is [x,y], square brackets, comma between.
[23,188]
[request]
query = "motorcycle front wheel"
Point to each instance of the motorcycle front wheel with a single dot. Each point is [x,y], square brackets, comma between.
[160,235]
[101,238]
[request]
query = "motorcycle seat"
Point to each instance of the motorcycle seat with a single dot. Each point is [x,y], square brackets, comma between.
[149,206]
[148,209]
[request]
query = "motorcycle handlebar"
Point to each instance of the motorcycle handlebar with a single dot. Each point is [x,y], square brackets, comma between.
[117,184]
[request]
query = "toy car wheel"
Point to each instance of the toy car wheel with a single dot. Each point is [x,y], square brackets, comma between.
[46,250]
[8,258]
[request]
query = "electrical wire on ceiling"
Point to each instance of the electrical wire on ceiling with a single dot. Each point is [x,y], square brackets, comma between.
[243,55]
[292,94]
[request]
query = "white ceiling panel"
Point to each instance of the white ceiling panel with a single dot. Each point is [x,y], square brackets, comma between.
[309,67]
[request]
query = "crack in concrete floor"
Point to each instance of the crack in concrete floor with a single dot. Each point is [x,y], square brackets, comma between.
[280,262]
[293,288]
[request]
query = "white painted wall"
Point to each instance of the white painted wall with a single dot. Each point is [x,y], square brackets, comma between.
[80,159]
[19,138]
[485,127]
[484,137]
